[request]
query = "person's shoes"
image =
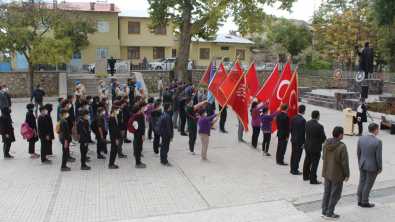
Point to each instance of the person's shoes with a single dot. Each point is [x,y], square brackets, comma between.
[46,162]
[151,140]
[213,128]
[105,151]
[92,142]
[127,141]
[71,160]
[367,205]
[88,160]
[113,167]
[223,131]
[316,182]
[323,213]
[141,165]
[242,141]
[72,144]
[65,169]
[193,153]
[122,156]
[283,164]
[89,152]
[179,130]
[296,173]
[101,157]
[51,155]
[34,156]
[85,168]
[175,127]
[267,154]
[71,152]
[332,217]
[156,154]
[359,134]
[168,164]
[306,179]
[9,157]
[142,155]
[184,134]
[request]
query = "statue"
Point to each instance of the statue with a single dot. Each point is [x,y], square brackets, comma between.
[366,59]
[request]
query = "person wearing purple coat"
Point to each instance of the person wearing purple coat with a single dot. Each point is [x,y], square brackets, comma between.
[204,132]
[148,117]
[256,122]
[266,127]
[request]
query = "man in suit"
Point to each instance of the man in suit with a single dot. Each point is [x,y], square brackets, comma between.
[282,134]
[361,115]
[298,137]
[369,151]
[315,137]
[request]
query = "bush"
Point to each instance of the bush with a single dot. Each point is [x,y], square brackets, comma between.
[319,64]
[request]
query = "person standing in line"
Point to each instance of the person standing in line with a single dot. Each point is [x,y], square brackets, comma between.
[240,132]
[71,116]
[298,138]
[160,86]
[115,136]
[335,170]
[222,119]
[167,134]
[7,131]
[60,100]
[139,135]
[282,135]
[101,144]
[183,115]
[175,105]
[266,127]
[48,118]
[155,116]
[200,95]
[361,115]
[315,137]
[148,117]
[370,162]
[204,132]
[122,127]
[94,105]
[190,112]
[101,86]
[3,98]
[44,135]
[255,122]
[31,121]
[7,95]
[38,95]
[127,116]
[65,139]
[83,130]
[111,62]
[167,96]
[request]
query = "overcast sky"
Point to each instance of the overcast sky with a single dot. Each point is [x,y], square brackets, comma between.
[302,10]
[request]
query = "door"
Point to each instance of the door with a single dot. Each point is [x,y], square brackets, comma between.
[21,61]
[76,62]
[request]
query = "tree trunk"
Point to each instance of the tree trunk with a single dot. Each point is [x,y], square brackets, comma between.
[181,69]
[30,79]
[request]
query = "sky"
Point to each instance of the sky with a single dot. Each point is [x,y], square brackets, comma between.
[302,10]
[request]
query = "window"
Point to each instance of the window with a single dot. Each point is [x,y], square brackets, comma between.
[161,30]
[174,53]
[224,47]
[204,53]
[159,52]
[134,27]
[77,55]
[133,52]
[102,25]
[242,54]
[102,52]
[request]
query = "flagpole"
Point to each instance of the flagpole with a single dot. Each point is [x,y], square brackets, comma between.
[204,74]
[264,81]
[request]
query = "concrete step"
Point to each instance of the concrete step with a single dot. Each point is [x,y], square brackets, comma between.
[321,103]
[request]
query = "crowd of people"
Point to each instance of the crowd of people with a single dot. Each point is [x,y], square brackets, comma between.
[180,106]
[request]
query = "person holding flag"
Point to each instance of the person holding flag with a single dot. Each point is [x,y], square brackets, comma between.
[190,112]
[266,127]
[255,122]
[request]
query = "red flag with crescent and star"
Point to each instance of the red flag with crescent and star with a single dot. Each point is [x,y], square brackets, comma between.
[215,82]
[240,100]
[279,92]
[292,97]
[265,92]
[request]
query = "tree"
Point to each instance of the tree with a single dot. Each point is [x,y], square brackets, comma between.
[43,32]
[202,19]
[292,39]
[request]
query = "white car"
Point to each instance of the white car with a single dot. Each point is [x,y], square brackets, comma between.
[166,64]
[228,65]
[266,67]
[91,67]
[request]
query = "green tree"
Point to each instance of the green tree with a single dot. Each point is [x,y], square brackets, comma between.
[202,18]
[42,32]
[291,38]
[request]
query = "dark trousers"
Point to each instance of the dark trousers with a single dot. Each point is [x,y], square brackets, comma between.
[83,151]
[332,194]
[360,128]
[183,121]
[281,149]
[310,166]
[164,150]
[295,157]
[222,121]
[192,138]
[255,135]
[113,153]
[45,144]
[160,93]
[32,147]
[366,182]
[112,71]
[100,146]
[149,131]
[156,143]
[266,141]
[49,149]
[138,139]
[6,149]
[120,144]
[65,154]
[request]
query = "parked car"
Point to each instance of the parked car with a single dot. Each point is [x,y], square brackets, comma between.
[228,65]
[91,67]
[266,67]
[166,64]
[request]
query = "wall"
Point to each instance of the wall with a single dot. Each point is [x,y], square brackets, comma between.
[17,82]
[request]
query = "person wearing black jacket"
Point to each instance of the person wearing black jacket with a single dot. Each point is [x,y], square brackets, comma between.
[44,135]
[155,116]
[94,104]
[122,124]
[65,139]
[361,116]
[175,105]
[222,120]
[31,120]
[127,115]
[100,133]
[71,116]
[7,95]
[183,115]
[132,86]
[282,134]
[7,131]
[115,136]
[315,137]
[167,134]
[83,106]
[83,131]
[48,118]
[38,95]
[139,135]
[167,96]
[298,134]
[135,108]
[78,104]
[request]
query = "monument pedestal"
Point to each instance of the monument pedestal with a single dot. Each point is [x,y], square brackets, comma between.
[375,86]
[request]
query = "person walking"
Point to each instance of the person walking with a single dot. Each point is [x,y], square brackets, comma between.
[204,132]
[361,115]
[282,134]
[65,139]
[139,134]
[160,87]
[315,137]
[255,122]
[266,127]
[111,62]
[48,118]
[167,134]
[370,162]
[335,170]
[38,95]
[7,131]
[83,131]
[298,137]
[31,121]
[190,112]
[155,116]
[44,135]
[115,136]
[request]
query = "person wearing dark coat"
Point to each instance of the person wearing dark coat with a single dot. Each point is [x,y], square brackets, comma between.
[44,135]
[139,135]
[7,131]
[155,116]
[100,133]
[366,59]
[222,120]
[315,137]
[48,117]
[298,134]
[361,115]
[122,125]
[183,115]
[94,104]
[3,98]
[132,86]
[38,95]
[7,95]
[175,104]
[282,134]
[115,136]
[167,134]
[31,120]
[71,116]
[65,139]
[167,96]
[83,131]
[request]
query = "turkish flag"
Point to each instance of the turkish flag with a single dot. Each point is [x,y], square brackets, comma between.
[240,100]
[218,78]
[292,97]
[252,80]
[231,80]
[267,89]
[206,76]
[279,92]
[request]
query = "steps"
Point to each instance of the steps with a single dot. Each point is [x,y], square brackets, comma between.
[318,100]
[91,83]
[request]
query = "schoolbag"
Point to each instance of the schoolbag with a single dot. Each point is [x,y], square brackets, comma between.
[57,129]
[158,126]
[26,131]
[94,124]
[74,131]
[132,126]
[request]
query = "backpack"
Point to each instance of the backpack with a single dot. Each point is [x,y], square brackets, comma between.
[132,124]
[26,131]
[57,129]
[158,126]
[74,131]
[94,125]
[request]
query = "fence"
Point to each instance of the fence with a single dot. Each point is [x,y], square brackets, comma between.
[5,66]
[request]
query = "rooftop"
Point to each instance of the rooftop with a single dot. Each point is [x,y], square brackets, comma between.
[134,13]
[226,38]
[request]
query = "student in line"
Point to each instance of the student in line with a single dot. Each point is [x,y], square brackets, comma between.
[115,136]
[155,116]
[44,135]
[139,135]
[31,120]
[65,139]
[48,118]
[190,111]
[101,134]
[167,134]
[60,100]
[83,131]
[7,131]
[256,122]
[266,127]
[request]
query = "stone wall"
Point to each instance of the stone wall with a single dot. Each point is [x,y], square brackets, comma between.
[17,82]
